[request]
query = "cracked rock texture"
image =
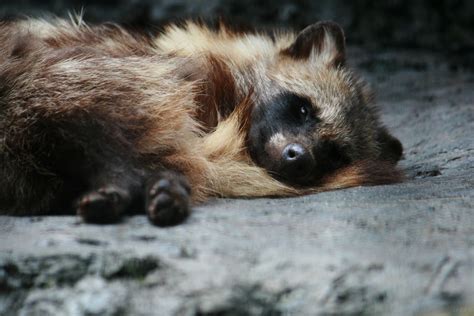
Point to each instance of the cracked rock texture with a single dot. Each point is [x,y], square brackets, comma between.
[403,249]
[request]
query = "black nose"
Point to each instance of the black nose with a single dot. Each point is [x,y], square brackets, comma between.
[296,160]
[293,152]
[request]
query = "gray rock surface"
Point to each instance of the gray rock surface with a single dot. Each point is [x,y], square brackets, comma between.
[404,249]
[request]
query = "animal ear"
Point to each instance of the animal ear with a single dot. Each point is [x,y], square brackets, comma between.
[323,40]
[390,147]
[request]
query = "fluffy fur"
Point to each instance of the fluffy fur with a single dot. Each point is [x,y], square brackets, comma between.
[97,114]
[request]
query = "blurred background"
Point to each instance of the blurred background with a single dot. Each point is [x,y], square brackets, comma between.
[441,25]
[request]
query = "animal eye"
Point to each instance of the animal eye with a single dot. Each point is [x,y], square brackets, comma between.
[303,110]
[299,108]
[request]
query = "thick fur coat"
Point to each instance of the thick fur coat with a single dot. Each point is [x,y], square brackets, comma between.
[103,120]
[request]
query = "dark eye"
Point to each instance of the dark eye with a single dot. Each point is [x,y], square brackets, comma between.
[298,108]
[303,110]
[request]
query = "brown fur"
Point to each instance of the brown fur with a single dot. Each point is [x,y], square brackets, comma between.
[132,106]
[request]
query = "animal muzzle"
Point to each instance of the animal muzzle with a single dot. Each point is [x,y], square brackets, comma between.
[296,162]
[303,165]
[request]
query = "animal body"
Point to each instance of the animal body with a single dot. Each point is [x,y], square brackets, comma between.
[102,120]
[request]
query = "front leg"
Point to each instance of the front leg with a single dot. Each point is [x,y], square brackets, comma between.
[168,197]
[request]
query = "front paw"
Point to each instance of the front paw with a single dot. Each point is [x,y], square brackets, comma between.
[168,199]
[103,206]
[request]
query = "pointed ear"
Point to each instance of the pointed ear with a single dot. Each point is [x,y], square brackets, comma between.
[323,40]
[391,148]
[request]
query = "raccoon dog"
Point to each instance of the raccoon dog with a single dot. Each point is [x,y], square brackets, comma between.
[102,121]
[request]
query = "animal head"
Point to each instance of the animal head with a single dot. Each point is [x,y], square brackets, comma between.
[311,115]
[315,116]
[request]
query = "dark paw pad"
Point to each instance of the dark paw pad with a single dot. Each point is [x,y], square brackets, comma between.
[168,200]
[103,206]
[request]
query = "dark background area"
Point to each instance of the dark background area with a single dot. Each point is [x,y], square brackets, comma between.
[442,25]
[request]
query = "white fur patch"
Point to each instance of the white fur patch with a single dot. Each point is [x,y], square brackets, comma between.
[278,140]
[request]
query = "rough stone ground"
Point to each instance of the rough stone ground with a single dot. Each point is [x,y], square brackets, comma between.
[404,249]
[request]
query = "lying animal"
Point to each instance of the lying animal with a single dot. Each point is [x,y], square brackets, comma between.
[103,120]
